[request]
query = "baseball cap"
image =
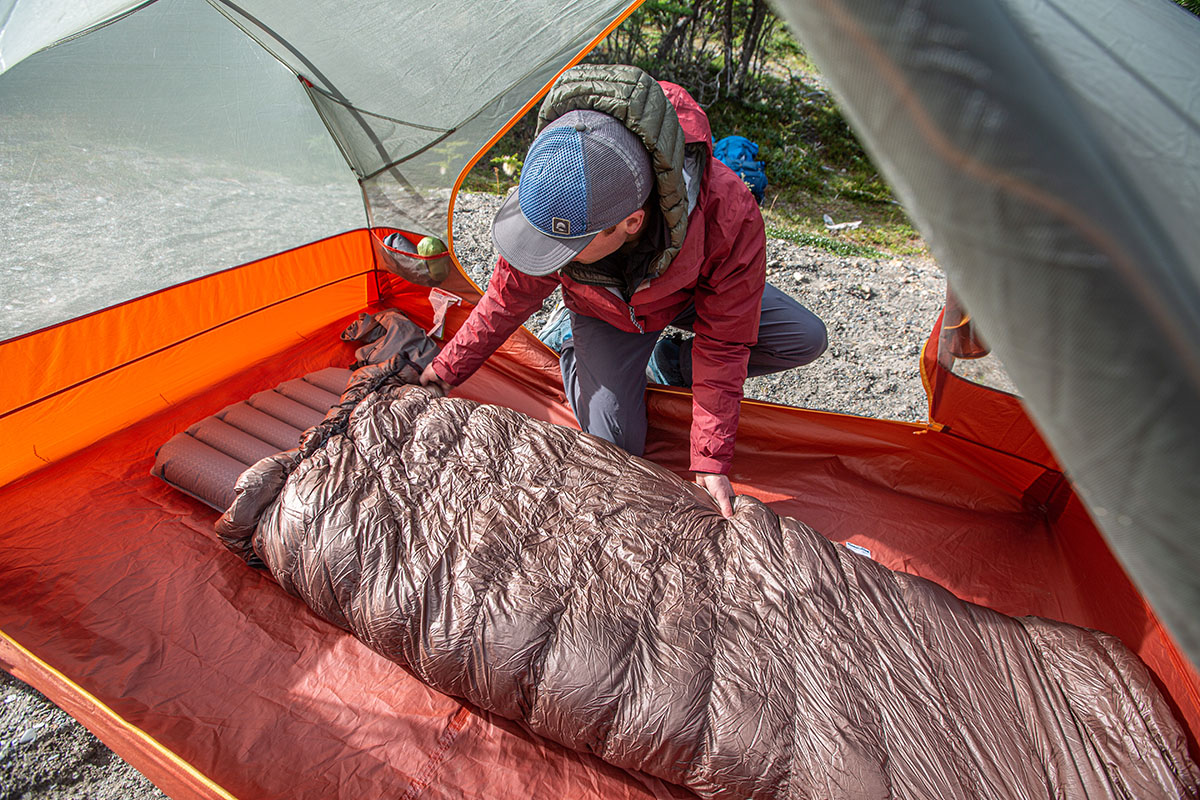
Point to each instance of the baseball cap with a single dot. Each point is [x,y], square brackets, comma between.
[584,173]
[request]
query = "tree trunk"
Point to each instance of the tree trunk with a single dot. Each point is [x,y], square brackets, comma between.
[727,49]
[751,41]
[670,39]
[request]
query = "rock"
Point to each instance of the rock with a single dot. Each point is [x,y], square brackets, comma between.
[30,734]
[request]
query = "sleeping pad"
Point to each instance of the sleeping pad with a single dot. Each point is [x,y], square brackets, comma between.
[550,577]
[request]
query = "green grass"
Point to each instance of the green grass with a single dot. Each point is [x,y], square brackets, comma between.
[839,246]
[815,165]
[885,229]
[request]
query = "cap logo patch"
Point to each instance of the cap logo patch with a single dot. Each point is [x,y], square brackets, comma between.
[560,226]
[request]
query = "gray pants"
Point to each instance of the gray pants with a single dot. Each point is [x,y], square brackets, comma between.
[604,368]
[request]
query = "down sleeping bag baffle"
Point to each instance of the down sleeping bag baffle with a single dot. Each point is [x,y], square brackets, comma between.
[549,577]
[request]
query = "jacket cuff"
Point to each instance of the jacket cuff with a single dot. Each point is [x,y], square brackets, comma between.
[445,373]
[706,464]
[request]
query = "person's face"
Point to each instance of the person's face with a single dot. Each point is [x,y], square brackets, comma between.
[605,244]
[609,241]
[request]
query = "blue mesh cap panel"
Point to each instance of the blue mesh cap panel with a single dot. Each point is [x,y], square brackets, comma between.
[619,174]
[554,187]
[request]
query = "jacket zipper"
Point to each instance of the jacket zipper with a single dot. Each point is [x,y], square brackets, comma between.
[633,319]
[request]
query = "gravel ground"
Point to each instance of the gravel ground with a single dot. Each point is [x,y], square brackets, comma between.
[44,753]
[878,313]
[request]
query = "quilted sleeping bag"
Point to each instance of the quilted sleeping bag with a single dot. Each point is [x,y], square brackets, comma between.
[550,577]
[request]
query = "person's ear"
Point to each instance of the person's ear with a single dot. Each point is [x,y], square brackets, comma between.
[634,222]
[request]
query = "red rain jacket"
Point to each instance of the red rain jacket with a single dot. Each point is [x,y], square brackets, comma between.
[721,268]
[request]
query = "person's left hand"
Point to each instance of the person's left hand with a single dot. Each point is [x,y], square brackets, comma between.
[720,488]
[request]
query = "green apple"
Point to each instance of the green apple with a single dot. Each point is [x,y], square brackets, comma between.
[430,246]
[438,268]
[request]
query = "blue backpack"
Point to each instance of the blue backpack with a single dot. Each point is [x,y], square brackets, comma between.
[738,153]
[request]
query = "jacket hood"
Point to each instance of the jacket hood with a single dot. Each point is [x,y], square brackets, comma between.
[693,120]
[648,109]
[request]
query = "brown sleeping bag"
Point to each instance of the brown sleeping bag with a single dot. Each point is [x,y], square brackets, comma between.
[550,577]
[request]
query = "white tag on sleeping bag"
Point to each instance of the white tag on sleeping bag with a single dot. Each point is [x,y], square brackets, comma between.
[857,548]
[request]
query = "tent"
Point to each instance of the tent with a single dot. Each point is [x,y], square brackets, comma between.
[190,179]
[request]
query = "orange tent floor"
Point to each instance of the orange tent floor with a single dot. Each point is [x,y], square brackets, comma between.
[118,601]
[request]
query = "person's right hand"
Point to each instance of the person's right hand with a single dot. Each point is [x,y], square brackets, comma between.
[721,490]
[434,381]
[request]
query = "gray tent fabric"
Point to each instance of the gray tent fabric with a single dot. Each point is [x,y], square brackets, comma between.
[1050,152]
[455,61]
[219,133]
[548,576]
[30,25]
[408,126]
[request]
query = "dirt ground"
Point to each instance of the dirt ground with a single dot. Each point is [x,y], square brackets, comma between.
[878,313]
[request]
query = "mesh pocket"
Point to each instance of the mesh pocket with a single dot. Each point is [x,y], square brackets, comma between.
[398,254]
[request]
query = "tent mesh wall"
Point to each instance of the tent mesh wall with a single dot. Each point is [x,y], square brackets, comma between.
[154,150]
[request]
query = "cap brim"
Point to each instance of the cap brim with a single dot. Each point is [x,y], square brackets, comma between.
[528,249]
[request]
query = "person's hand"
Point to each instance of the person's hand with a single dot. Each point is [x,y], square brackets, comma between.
[432,380]
[720,488]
